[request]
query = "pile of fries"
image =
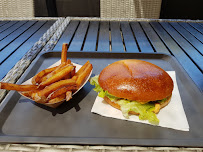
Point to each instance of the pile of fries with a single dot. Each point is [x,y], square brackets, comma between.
[53,86]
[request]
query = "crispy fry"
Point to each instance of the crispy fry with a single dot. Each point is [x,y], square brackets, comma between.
[29,93]
[17,87]
[83,75]
[53,72]
[80,71]
[43,79]
[82,68]
[41,95]
[64,71]
[60,91]
[58,99]
[64,53]
[68,61]
[70,75]
[58,69]
[74,77]
[68,95]
[36,79]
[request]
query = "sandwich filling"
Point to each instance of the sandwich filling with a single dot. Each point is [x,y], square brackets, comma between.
[146,111]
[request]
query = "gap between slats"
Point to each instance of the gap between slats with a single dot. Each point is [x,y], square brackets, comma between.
[97,37]
[110,41]
[124,47]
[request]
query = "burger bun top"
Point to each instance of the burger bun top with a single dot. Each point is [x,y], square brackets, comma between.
[136,80]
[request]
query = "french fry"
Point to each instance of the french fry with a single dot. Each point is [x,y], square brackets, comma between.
[68,61]
[82,76]
[36,79]
[80,71]
[58,69]
[68,76]
[74,77]
[58,99]
[64,53]
[64,71]
[53,72]
[41,95]
[60,91]
[71,74]
[82,68]
[50,74]
[17,87]
[68,95]
[28,93]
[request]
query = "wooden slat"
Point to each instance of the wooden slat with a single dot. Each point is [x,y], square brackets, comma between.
[103,41]
[193,31]
[197,44]
[184,60]
[8,25]
[3,22]
[15,34]
[78,39]
[197,27]
[11,29]
[116,39]
[141,38]
[201,24]
[20,40]
[20,52]
[185,45]
[67,35]
[156,42]
[129,40]
[91,38]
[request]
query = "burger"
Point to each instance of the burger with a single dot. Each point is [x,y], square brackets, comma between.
[135,87]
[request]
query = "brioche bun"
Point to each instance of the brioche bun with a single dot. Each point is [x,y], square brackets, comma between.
[136,80]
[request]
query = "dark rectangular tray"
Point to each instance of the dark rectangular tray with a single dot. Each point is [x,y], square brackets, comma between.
[24,121]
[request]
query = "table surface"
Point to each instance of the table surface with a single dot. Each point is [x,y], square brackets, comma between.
[182,39]
[16,38]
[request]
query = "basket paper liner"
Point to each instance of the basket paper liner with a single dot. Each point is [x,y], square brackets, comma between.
[54,105]
[172,116]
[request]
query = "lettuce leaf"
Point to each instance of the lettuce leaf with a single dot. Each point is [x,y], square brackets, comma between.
[145,110]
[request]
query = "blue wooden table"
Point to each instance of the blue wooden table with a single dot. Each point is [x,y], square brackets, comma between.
[183,40]
[16,38]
